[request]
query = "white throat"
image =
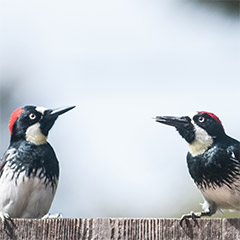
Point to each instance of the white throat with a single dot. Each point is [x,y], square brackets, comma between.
[201,143]
[34,135]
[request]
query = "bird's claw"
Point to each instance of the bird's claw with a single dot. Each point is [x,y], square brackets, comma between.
[4,216]
[191,215]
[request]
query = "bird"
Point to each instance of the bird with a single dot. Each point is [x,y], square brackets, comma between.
[29,169]
[213,161]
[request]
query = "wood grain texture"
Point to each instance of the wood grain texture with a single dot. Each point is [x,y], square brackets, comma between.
[231,228]
[120,228]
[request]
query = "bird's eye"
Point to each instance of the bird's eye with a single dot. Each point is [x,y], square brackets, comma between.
[32,116]
[201,119]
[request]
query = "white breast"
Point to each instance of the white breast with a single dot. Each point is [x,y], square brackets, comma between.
[223,197]
[26,197]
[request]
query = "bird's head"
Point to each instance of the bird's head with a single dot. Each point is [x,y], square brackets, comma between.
[33,123]
[200,129]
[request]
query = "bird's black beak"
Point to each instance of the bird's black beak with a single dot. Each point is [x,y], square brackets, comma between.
[50,117]
[58,111]
[177,122]
[182,124]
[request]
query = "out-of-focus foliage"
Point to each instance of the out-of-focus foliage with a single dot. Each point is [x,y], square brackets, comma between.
[229,7]
[8,101]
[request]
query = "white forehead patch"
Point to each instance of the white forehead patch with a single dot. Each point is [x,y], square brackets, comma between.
[41,109]
[34,135]
[191,115]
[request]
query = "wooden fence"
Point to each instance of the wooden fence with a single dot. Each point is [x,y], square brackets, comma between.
[120,228]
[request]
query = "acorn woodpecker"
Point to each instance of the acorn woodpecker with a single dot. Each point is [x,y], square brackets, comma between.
[213,161]
[29,169]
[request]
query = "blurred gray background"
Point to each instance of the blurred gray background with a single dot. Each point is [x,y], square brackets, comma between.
[121,63]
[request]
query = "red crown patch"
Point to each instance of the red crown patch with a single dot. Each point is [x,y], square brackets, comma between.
[15,115]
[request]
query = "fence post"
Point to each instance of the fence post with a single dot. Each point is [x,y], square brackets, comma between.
[120,228]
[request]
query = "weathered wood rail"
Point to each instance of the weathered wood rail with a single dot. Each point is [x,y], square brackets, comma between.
[120,228]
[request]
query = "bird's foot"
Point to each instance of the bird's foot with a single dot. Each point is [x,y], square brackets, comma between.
[191,215]
[56,215]
[4,216]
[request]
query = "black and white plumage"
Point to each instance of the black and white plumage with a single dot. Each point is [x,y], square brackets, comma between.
[29,169]
[213,160]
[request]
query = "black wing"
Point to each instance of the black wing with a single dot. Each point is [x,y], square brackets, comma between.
[8,154]
[215,167]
